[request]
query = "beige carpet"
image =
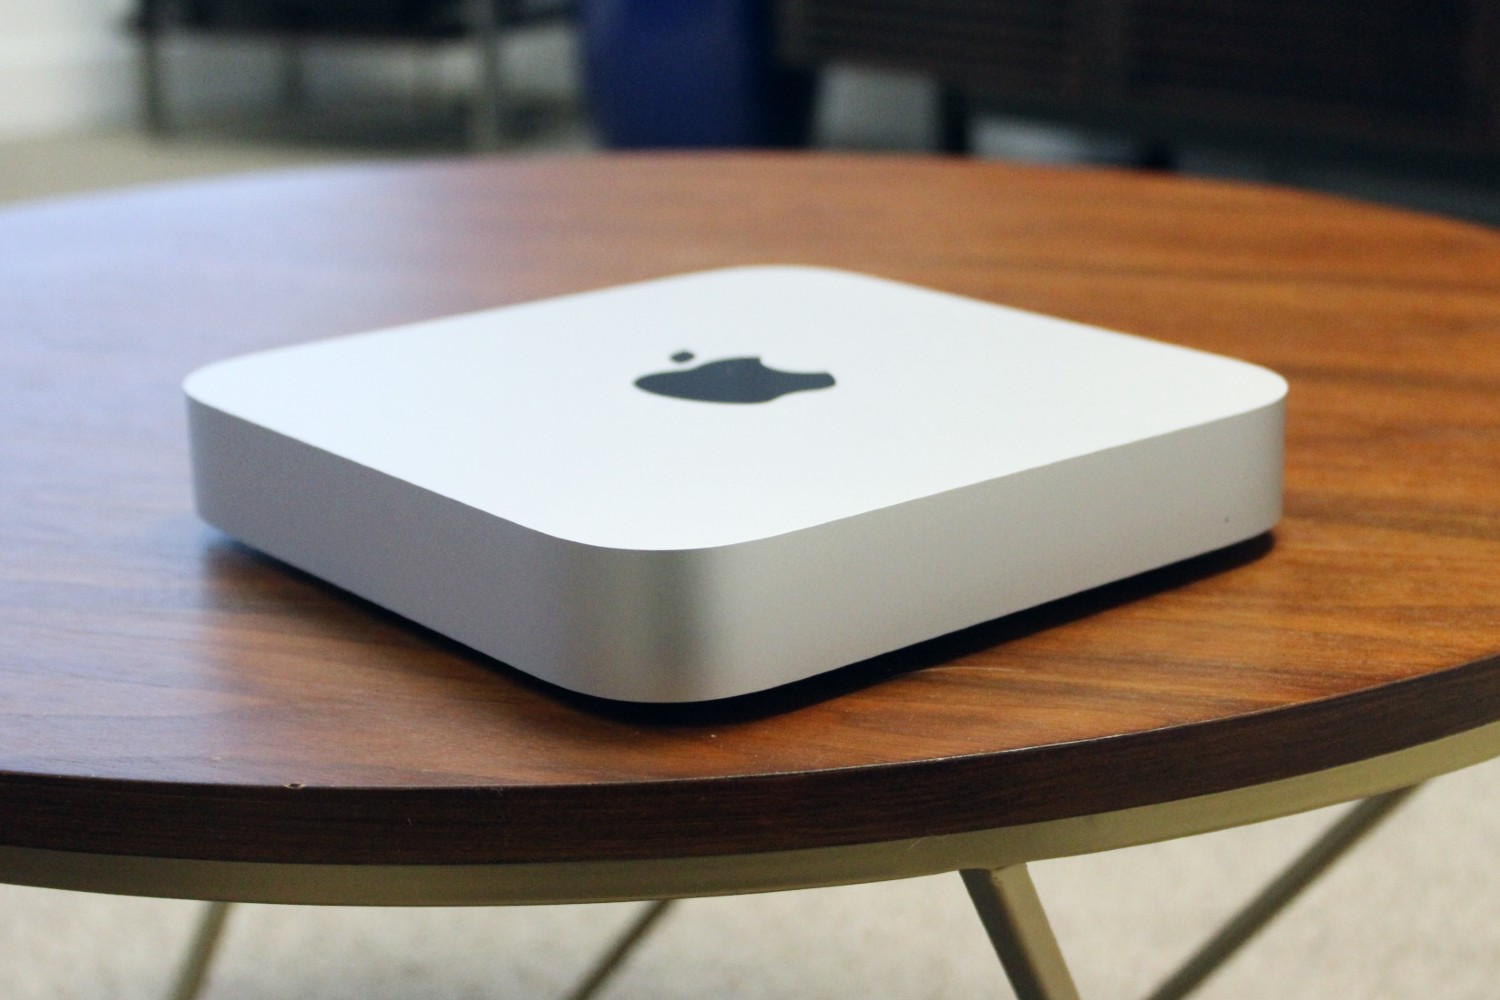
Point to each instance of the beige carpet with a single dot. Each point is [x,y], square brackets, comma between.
[1413,913]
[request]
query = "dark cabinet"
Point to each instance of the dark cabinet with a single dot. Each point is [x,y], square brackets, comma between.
[1385,74]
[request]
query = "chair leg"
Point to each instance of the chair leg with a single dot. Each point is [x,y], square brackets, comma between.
[151,71]
[194,969]
[955,122]
[487,111]
[293,74]
[1013,917]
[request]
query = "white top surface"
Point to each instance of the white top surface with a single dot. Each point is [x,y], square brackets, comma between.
[531,413]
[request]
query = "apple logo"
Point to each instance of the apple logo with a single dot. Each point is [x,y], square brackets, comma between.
[732,380]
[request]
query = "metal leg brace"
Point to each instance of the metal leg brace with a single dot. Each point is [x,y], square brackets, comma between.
[194,969]
[1018,928]
[1298,875]
[193,972]
[1008,906]
[1012,914]
[621,950]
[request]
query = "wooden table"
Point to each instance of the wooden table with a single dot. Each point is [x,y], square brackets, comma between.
[180,716]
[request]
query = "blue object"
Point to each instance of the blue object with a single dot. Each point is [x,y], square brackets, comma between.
[690,73]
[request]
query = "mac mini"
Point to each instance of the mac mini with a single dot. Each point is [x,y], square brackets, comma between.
[713,484]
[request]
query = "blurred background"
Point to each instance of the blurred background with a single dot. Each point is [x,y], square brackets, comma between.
[1391,99]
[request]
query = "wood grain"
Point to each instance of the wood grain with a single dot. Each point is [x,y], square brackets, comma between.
[167,692]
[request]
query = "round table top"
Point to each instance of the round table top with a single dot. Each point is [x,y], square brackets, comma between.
[166,692]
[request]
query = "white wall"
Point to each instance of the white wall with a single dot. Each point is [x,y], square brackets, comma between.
[64,64]
[70,65]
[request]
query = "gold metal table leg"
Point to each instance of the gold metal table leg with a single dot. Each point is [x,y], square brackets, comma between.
[1297,876]
[1008,906]
[1012,915]
[194,969]
[621,950]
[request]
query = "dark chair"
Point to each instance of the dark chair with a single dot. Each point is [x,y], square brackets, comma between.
[296,23]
